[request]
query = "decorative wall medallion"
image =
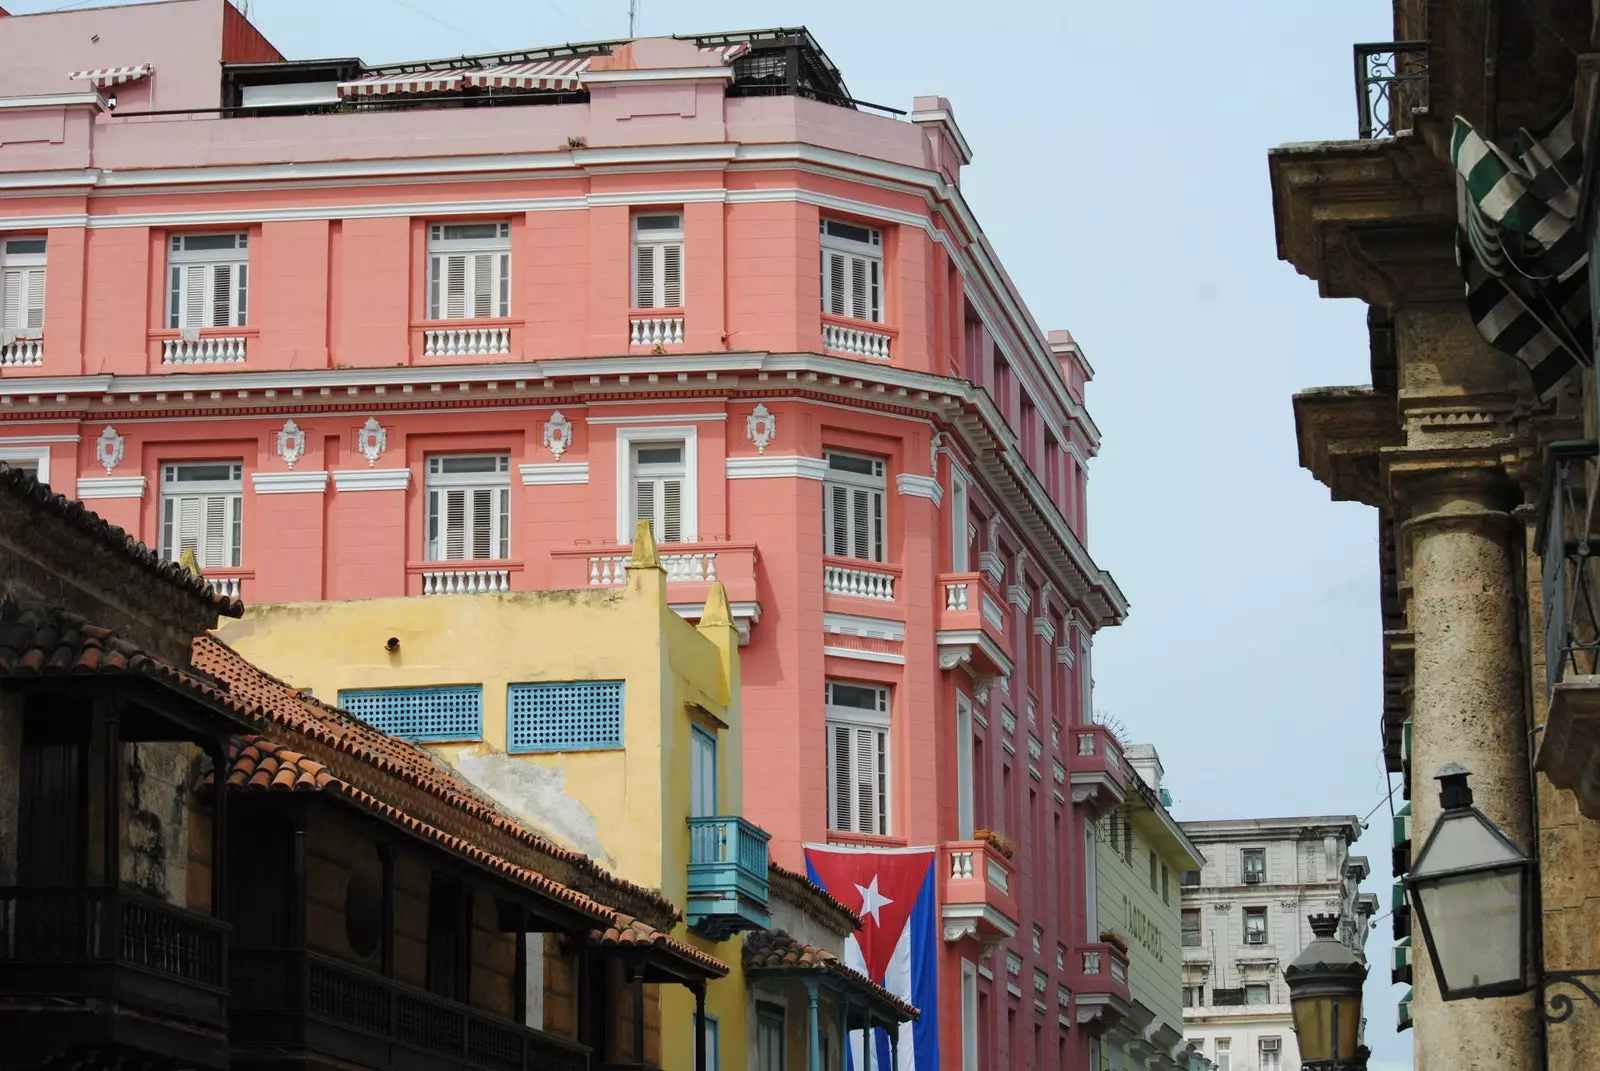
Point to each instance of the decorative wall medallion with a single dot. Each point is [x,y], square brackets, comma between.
[933,452]
[109,449]
[558,434]
[372,440]
[761,427]
[291,443]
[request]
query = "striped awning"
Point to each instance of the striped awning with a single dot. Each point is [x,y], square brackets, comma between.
[729,53]
[558,74]
[1525,259]
[385,85]
[106,77]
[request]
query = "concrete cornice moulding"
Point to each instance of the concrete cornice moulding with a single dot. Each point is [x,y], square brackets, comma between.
[372,479]
[287,483]
[776,466]
[92,487]
[920,487]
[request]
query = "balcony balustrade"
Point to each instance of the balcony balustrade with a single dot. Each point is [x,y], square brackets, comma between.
[204,349]
[298,1000]
[971,626]
[978,900]
[1099,975]
[464,579]
[228,587]
[690,569]
[466,341]
[858,580]
[855,341]
[117,964]
[1095,768]
[21,353]
[1391,83]
[655,330]
[727,877]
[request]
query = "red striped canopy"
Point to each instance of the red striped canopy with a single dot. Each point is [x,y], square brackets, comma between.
[384,85]
[559,74]
[105,77]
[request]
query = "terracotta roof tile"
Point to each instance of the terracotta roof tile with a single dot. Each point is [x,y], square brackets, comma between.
[807,894]
[775,950]
[251,690]
[47,641]
[629,932]
[22,488]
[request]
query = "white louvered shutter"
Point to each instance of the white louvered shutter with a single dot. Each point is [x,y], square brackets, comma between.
[208,524]
[671,275]
[659,500]
[857,772]
[470,286]
[658,275]
[835,285]
[644,277]
[22,301]
[840,754]
[208,295]
[854,522]
[483,523]
[852,286]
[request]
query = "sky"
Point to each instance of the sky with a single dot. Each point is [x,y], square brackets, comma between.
[1120,170]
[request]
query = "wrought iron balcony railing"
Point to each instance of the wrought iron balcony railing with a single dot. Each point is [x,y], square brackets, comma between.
[1391,83]
[1567,565]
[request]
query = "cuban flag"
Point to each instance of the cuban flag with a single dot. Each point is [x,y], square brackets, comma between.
[897,945]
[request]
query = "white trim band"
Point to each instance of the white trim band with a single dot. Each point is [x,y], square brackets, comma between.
[289,483]
[92,487]
[777,467]
[372,479]
[550,473]
[920,486]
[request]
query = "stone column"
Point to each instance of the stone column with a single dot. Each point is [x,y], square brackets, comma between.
[1467,708]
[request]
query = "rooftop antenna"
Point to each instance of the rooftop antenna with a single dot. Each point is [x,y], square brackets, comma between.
[633,15]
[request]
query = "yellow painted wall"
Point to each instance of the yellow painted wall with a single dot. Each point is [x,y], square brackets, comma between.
[629,806]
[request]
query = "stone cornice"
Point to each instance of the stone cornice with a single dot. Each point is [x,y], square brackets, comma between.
[1369,219]
[1340,431]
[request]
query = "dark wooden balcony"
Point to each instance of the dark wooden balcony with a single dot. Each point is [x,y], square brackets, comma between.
[96,965]
[330,1012]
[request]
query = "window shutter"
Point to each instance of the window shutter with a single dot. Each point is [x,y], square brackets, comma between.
[866,790]
[842,793]
[22,300]
[11,301]
[834,286]
[455,525]
[503,525]
[672,276]
[839,520]
[194,296]
[218,545]
[644,502]
[860,524]
[671,511]
[455,286]
[483,518]
[483,285]
[189,510]
[644,281]
[858,288]
[221,296]
[504,284]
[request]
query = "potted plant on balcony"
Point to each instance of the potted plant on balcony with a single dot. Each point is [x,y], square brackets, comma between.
[1115,940]
[998,841]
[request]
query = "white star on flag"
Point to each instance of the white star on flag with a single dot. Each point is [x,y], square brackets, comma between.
[872,900]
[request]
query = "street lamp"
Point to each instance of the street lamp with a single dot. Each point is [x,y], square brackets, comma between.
[1325,998]
[1472,889]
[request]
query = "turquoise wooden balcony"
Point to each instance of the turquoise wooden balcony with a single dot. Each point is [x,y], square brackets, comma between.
[727,877]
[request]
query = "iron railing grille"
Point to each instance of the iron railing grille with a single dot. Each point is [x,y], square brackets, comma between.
[1567,565]
[1391,83]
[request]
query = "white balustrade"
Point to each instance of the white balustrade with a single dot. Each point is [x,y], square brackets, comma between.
[1086,743]
[466,341]
[961,866]
[1119,973]
[955,596]
[221,349]
[856,341]
[226,586]
[24,351]
[993,614]
[997,875]
[861,583]
[655,331]
[689,567]
[1091,963]
[465,581]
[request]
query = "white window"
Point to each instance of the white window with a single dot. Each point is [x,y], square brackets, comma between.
[960,549]
[853,503]
[713,1044]
[969,1015]
[656,476]
[469,507]
[21,288]
[209,276]
[1255,925]
[1224,1054]
[858,758]
[34,460]
[964,818]
[702,773]
[202,508]
[1258,994]
[469,271]
[1271,1055]
[658,261]
[852,270]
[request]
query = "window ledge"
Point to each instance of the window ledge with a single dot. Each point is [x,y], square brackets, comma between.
[464,564]
[450,325]
[873,840]
[246,331]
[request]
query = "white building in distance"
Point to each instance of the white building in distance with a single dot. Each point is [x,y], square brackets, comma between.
[1244,921]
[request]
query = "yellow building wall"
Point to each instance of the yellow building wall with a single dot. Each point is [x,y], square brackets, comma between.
[627,807]
[1152,927]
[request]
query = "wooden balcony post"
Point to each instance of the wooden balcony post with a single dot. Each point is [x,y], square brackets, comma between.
[297,881]
[638,1012]
[814,1028]
[700,1026]
[219,828]
[894,1047]
[386,938]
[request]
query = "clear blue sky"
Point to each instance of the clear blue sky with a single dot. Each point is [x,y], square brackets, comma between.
[1121,174]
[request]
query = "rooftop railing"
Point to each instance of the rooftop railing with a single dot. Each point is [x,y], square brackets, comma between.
[1391,83]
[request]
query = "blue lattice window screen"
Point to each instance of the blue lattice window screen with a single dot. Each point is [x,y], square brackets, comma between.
[450,712]
[564,716]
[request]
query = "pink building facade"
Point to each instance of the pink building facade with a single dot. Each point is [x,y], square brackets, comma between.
[351,332]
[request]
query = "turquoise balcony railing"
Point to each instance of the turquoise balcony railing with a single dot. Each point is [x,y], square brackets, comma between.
[727,876]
